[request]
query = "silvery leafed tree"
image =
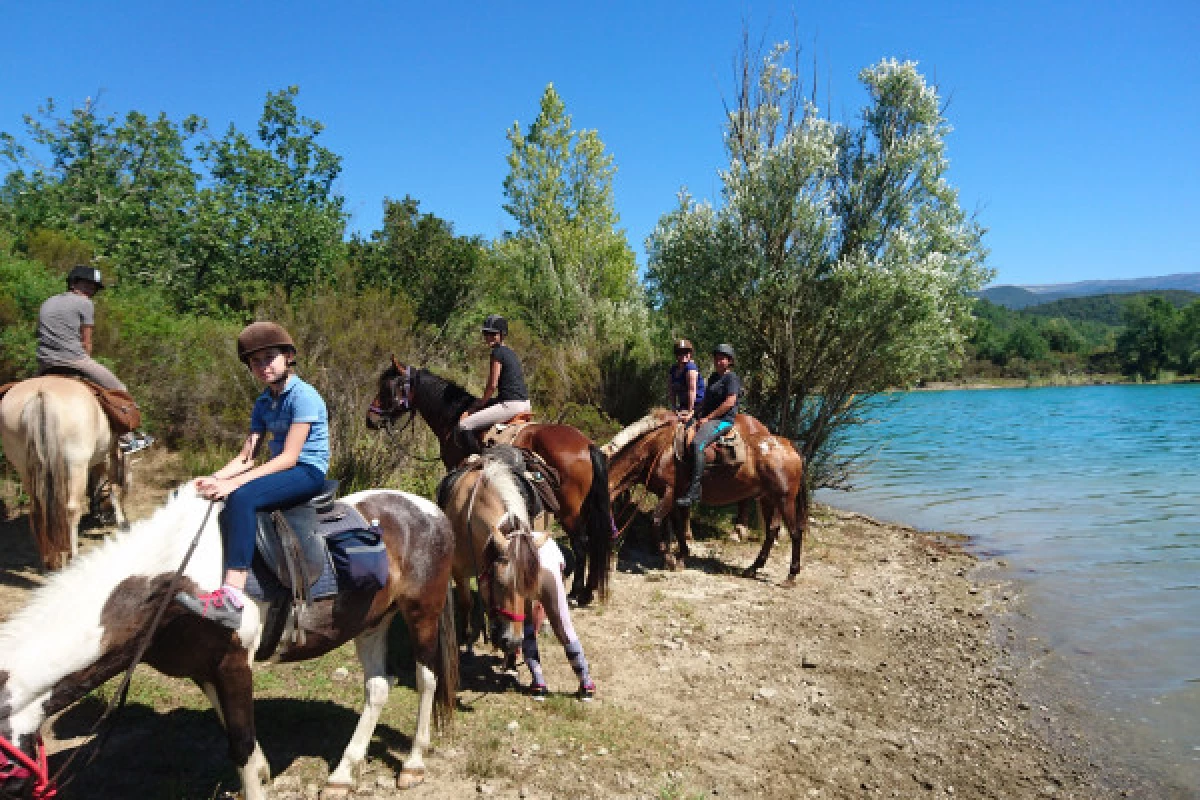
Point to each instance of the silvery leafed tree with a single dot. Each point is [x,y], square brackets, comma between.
[838,261]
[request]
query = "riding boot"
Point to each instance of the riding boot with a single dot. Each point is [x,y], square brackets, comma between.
[693,493]
[469,441]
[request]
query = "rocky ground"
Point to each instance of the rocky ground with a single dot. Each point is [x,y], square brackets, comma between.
[885,673]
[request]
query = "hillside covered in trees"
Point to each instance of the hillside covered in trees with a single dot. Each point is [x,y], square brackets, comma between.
[1142,336]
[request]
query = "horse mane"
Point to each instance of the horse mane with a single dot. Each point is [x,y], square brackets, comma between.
[439,396]
[633,447]
[499,475]
[78,594]
[626,436]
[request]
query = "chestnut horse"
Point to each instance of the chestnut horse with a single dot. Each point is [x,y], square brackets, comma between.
[59,440]
[583,497]
[643,453]
[515,567]
[86,624]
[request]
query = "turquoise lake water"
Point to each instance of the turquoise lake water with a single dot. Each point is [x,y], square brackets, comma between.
[1091,496]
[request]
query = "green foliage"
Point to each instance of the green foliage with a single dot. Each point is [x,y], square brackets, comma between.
[1144,347]
[839,263]
[420,256]
[24,285]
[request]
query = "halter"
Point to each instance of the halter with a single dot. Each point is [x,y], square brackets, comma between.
[19,765]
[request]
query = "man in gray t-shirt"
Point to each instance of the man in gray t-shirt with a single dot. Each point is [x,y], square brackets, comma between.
[65,324]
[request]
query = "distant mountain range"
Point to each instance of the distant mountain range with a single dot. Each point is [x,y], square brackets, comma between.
[1017,297]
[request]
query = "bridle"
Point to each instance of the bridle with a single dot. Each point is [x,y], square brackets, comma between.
[21,766]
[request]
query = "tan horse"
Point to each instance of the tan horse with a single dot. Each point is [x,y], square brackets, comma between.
[518,570]
[59,440]
[773,472]
[493,543]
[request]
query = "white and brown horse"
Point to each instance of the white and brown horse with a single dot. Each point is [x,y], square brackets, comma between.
[84,626]
[59,440]
[518,570]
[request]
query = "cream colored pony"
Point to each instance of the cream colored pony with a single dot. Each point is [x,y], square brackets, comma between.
[59,440]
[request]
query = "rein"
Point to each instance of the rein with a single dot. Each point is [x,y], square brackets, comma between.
[45,786]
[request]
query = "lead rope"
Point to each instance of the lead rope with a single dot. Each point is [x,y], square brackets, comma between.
[118,700]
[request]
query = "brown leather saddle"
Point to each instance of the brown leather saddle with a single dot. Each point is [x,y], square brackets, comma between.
[728,450]
[122,410]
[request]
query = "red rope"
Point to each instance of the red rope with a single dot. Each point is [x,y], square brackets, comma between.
[26,767]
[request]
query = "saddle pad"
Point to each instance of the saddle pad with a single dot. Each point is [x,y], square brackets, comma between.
[504,433]
[261,583]
[727,450]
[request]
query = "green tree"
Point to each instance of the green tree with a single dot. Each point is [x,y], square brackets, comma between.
[1144,347]
[268,216]
[567,265]
[839,262]
[1026,342]
[126,187]
[420,255]
[1186,344]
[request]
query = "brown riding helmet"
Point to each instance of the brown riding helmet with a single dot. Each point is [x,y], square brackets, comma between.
[684,344]
[261,335]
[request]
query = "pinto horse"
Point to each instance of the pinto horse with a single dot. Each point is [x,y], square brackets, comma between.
[583,497]
[516,568]
[59,440]
[86,624]
[773,472]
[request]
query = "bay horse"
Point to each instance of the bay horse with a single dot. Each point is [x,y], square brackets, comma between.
[583,498]
[60,442]
[643,453]
[85,625]
[518,570]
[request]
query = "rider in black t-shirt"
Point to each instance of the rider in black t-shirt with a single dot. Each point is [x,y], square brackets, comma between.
[506,380]
[715,417]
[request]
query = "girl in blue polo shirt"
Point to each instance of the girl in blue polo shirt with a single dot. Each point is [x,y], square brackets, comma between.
[295,415]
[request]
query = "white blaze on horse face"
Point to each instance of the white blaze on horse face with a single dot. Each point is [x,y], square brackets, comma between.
[61,630]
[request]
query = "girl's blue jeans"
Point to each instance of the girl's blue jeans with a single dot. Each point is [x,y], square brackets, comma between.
[268,493]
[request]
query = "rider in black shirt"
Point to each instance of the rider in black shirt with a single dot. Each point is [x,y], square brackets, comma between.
[716,416]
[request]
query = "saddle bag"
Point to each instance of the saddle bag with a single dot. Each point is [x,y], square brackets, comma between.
[360,558]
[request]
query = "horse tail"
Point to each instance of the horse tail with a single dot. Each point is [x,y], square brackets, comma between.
[446,664]
[599,521]
[46,468]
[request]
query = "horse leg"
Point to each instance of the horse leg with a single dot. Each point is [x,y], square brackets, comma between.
[663,514]
[681,521]
[118,481]
[232,695]
[77,486]
[796,518]
[580,592]
[559,615]
[465,608]
[424,632]
[371,648]
[771,524]
[741,529]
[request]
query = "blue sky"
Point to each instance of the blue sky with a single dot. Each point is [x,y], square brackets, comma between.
[1076,123]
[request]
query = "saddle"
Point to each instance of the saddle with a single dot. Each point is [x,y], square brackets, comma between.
[728,450]
[506,432]
[537,481]
[311,551]
[122,410]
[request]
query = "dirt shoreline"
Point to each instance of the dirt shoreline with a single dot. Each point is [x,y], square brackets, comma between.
[881,674]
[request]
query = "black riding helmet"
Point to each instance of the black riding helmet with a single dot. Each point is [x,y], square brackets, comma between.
[724,350]
[82,272]
[495,324]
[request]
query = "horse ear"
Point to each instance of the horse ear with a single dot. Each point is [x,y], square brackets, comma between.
[396,364]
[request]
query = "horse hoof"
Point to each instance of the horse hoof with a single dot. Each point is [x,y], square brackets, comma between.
[669,562]
[408,778]
[585,598]
[336,791]
[789,582]
[750,572]
[679,565]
